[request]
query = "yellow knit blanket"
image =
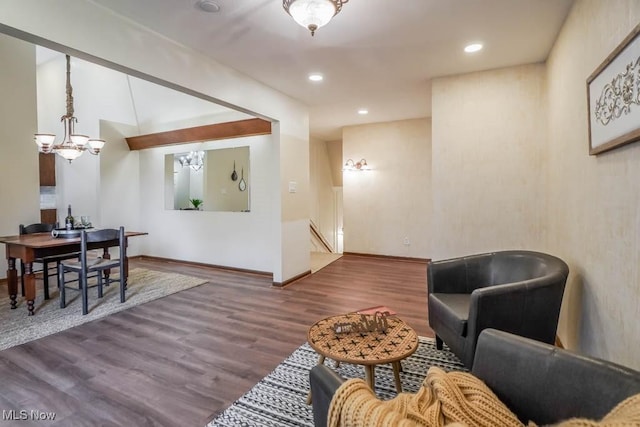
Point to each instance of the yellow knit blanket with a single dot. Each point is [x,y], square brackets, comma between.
[444,398]
[448,399]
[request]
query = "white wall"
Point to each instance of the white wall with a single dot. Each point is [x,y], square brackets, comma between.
[139,51]
[234,239]
[19,177]
[594,201]
[489,133]
[391,202]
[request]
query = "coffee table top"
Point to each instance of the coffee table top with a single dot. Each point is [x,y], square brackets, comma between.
[363,348]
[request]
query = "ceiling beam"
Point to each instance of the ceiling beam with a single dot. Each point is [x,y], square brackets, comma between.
[237,129]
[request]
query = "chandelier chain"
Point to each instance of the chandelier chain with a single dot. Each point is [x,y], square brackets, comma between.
[69,90]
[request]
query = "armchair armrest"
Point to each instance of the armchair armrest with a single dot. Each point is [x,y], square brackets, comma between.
[458,275]
[544,384]
[529,308]
[324,383]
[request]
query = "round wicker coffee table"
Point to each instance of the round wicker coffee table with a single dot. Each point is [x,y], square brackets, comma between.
[369,349]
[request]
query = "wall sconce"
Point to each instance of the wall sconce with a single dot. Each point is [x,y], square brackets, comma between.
[350,165]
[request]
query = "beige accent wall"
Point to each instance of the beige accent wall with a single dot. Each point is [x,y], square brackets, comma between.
[488,161]
[323,203]
[594,202]
[335,160]
[19,183]
[388,206]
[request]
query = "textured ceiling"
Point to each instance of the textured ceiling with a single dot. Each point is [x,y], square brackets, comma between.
[375,54]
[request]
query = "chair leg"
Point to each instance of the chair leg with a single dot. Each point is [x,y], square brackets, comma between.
[438,343]
[85,293]
[99,277]
[123,286]
[45,279]
[63,303]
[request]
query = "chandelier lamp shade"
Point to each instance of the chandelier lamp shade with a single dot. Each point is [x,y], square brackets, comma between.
[72,145]
[194,160]
[313,14]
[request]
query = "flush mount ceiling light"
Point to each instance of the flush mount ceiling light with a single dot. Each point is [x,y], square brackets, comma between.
[313,14]
[316,77]
[474,47]
[208,6]
[363,111]
[72,145]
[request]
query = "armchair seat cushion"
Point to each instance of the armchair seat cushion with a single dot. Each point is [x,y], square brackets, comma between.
[452,310]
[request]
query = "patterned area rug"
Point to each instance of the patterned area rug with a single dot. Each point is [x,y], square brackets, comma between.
[279,399]
[143,286]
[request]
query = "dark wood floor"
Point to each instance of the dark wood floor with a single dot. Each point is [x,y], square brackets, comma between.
[182,359]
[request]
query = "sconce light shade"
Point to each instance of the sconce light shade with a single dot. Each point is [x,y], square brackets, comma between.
[350,165]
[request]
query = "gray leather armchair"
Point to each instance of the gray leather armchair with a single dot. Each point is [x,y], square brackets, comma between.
[514,291]
[538,382]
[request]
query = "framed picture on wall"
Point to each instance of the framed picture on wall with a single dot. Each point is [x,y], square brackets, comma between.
[613,97]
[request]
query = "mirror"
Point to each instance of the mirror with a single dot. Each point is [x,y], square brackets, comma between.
[210,180]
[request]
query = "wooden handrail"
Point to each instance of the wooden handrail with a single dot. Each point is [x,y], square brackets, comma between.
[318,235]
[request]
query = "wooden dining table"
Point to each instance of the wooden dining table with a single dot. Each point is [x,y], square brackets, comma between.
[28,247]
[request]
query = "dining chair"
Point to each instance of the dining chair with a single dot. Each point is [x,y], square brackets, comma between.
[95,267]
[49,263]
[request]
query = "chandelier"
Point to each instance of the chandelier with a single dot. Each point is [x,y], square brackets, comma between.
[313,14]
[194,160]
[72,145]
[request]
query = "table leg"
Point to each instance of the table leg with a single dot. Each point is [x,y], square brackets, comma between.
[29,286]
[12,282]
[320,362]
[369,375]
[397,367]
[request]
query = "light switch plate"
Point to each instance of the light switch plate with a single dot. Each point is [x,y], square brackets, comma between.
[293,186]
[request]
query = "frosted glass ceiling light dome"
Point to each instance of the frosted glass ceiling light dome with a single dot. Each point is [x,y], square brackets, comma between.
[313,14]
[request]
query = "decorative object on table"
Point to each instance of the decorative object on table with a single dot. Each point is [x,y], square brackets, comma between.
[242,185]
[69,222]
[313,14]
[63,233]
[279,399]
[234,174]
[613,97]
[376,322]
[72,145]
[196,203]
[377,309]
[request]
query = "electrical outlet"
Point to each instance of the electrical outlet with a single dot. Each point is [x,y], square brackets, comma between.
[407,242]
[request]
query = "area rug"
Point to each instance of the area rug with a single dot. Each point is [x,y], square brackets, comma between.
[279,399]
[142,286]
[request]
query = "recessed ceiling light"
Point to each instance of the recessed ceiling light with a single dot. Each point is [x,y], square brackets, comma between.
[208,6]
[474,47]
[363,111]
[316,77]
